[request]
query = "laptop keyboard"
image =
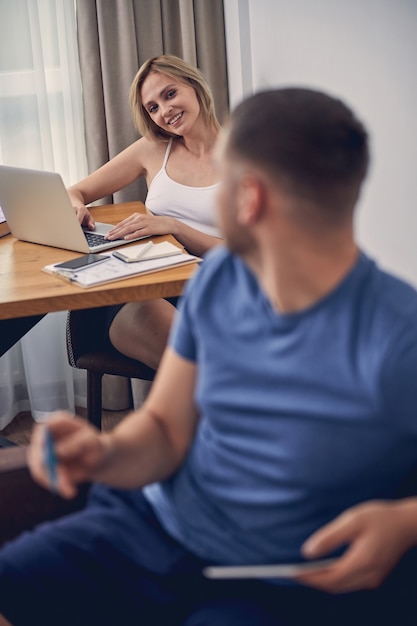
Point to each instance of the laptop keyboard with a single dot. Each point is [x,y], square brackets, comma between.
[94,239]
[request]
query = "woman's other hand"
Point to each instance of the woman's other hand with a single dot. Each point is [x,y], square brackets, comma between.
[84,217]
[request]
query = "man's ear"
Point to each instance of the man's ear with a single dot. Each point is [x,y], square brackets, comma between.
[250,199]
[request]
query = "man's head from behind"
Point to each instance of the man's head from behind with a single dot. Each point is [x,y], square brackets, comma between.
[306,143]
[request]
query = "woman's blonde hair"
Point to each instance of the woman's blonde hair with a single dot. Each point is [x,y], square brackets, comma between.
[181,71]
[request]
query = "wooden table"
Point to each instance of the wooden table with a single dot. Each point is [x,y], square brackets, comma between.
[27,293]
[26,290]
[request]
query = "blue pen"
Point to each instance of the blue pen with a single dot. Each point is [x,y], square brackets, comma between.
[51,460]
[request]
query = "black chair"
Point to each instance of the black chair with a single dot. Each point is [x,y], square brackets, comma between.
[89,348]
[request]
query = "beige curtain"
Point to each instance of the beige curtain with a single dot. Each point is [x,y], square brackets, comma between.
[115,37]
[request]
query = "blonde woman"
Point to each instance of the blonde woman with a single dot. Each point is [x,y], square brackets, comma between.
[173,110]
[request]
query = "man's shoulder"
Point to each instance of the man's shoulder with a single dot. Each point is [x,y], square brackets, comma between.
[388,306]
[395,293]
[220,259]
[217,274]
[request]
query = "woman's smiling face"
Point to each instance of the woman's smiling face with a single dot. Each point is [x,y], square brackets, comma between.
[171,104]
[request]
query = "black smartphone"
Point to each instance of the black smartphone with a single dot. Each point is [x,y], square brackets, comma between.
[82,262]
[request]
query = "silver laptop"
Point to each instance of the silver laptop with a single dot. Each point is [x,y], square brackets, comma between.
[38,209]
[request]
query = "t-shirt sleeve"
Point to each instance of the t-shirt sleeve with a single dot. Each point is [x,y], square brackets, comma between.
[182,336]
[192,321]
[399,382]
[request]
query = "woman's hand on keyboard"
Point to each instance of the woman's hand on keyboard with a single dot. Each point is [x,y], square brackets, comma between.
[142,225]
[84,217]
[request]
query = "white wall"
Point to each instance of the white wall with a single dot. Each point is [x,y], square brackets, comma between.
[363,51]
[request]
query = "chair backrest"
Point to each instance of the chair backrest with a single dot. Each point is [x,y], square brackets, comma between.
[89,347]
[86,332]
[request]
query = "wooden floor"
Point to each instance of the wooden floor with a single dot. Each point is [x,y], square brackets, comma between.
[19,430]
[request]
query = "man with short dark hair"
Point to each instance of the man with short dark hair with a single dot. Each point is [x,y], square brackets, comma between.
[286,396]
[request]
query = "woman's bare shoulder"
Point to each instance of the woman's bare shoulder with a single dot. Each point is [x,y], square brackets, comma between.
[149,148]
[151,154]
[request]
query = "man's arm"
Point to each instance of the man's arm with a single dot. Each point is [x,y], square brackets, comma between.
[147,446]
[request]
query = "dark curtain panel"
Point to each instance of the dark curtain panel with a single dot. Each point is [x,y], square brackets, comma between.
[115,37]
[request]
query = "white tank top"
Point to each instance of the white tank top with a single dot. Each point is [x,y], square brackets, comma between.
[194,206]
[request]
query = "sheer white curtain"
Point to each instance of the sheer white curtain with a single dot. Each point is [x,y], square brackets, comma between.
[41,127]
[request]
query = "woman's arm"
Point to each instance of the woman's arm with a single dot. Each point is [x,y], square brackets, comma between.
[194,241]
[117,173]
[147,225]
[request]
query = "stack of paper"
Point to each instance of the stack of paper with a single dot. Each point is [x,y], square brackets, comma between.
[115,269]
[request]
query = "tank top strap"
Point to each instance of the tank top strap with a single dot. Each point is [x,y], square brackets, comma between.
[167,152]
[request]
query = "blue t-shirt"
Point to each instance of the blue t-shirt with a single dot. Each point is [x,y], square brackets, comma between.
[302,415]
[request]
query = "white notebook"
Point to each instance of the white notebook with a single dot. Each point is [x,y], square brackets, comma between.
[146,251]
